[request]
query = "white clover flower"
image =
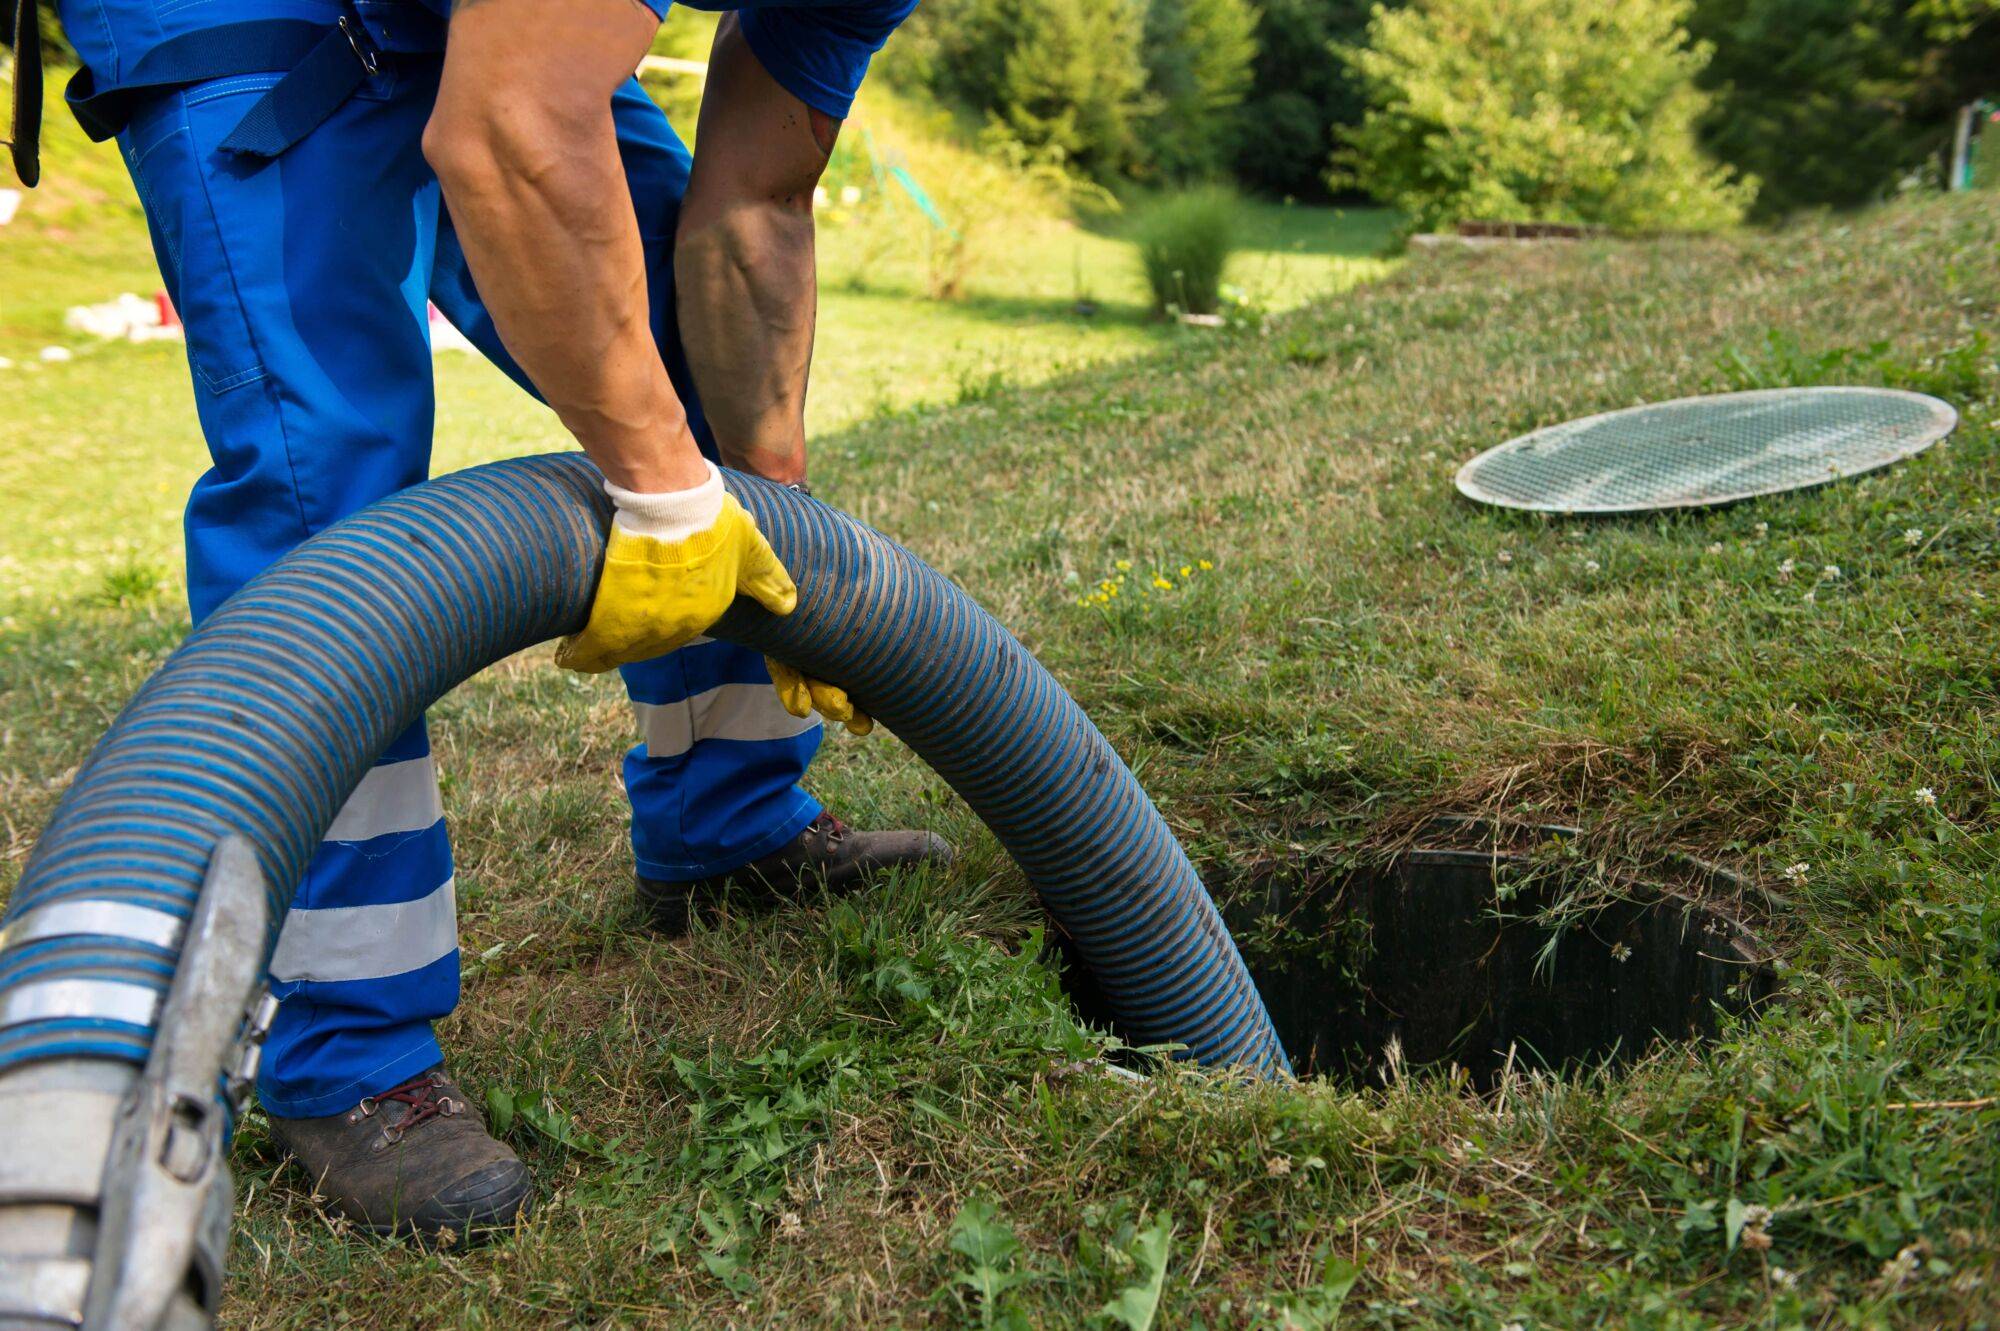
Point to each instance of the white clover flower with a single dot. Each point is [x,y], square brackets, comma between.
[1785,570]
[1812,598]
[1763,529]
[1925,796]
[1796,873]
[1900,1267]
[1505,557]
[1913,536]
[1784,1279]
[1591,566]
[1715,548]
[1620,952]
[1830,572]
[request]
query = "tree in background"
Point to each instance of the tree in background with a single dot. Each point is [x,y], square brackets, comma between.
[1198,56]
[1142,88]
[1834,102]
[1300,92]
[1062,80]
[1538,110]
[1074,82]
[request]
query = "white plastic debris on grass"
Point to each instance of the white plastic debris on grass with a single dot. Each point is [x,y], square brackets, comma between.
[131,318]
[445,335]
[128,318]
[55,354]
[10,203]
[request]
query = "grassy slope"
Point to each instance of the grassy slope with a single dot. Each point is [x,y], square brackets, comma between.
[883,346]
[779,1120]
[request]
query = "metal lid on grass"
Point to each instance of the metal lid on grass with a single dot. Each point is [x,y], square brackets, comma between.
[1699,451]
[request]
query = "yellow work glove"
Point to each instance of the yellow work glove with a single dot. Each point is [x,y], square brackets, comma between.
[674,564]
[803,695]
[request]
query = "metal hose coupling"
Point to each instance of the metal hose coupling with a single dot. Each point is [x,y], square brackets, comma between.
[134,1239]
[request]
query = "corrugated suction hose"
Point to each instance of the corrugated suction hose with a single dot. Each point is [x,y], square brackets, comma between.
[270,714]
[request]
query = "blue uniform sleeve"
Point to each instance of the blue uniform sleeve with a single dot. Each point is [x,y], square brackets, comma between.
[820,52]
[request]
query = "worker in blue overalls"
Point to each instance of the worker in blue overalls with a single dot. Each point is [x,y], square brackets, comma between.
[313,172]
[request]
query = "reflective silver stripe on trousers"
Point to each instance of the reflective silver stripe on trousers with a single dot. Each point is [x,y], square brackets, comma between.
[727,711]
[117,919]
[339,943]
[394,797]
[101,1000]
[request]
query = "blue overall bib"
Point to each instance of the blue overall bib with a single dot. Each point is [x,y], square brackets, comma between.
[301,270]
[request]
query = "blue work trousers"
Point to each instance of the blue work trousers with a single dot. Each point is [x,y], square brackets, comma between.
[303,282]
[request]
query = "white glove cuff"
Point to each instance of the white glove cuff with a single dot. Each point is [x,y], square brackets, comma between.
[673,516]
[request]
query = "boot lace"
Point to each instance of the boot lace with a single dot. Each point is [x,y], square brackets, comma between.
[828,826]
[424,1098]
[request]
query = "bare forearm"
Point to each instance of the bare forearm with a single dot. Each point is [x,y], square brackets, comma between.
[747,294]
[743,258]
[537,193]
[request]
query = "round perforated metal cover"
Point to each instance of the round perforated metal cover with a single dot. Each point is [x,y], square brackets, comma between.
[1698,451]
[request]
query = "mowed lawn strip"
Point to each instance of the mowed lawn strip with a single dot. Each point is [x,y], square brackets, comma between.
[877,1112]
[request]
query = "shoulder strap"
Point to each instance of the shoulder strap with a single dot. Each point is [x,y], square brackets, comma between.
[25,146]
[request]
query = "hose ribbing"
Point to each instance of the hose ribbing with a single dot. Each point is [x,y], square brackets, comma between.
[270,714]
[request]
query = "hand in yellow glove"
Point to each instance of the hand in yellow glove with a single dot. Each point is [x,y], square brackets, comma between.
[802,696]
[674,564]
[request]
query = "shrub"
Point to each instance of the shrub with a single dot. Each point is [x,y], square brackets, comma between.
[1198,57]
[1538,110]
[1185,242]
[1300,90]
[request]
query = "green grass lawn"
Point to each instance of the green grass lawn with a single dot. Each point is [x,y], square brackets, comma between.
[883,345]
[861,1113]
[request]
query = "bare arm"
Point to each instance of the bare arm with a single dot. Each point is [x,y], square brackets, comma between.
[743,260]
[523,142]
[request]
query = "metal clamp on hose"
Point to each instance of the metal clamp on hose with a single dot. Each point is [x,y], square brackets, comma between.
[164,1225]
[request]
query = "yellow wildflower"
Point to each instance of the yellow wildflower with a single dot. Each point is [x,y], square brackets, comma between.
[1162,583]
[1206,566]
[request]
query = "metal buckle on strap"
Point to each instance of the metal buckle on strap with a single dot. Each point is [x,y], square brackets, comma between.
[363,46]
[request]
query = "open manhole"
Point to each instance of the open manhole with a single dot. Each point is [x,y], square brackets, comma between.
[1452,956]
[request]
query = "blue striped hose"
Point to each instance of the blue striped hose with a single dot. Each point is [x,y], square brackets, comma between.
[268,716]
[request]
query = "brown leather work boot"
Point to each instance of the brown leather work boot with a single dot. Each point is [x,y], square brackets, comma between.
[828,853]
[416,1159]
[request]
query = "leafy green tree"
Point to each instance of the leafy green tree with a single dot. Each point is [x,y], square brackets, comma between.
[1198,56]
[1538,110]
[1300,91]
[1075,82]
[1063,79]
[1833,102]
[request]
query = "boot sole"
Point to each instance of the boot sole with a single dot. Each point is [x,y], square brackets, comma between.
[469,1225]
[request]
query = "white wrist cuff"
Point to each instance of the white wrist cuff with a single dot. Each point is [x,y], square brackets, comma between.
[673,516]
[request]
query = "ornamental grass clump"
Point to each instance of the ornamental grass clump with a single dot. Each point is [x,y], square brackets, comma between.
[1185,241]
